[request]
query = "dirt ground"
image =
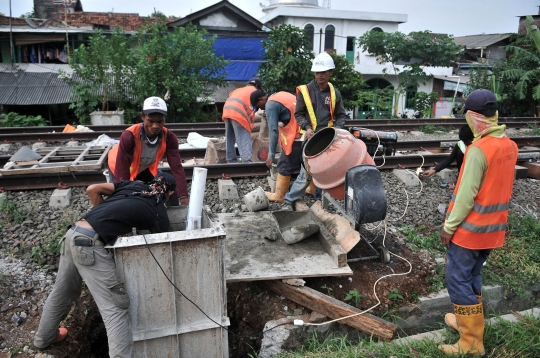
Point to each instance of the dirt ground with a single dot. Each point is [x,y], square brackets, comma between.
[249,304]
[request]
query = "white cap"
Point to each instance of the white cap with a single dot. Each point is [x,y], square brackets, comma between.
[154,105]
[323,62]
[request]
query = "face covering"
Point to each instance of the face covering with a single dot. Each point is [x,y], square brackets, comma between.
[480,124]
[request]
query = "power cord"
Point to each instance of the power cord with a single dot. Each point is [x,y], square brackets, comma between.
[200,309]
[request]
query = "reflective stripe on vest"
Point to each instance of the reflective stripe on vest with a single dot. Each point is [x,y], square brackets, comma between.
[485,225]
[462,146]
[237,107]
[291,131]
[136,160]
[309,105]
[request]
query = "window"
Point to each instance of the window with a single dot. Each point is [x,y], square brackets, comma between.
[377,29]
[350,49]
[409,95]
[329,33]
[310,31]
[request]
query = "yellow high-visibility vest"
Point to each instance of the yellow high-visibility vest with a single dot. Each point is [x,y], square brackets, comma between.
[309,105]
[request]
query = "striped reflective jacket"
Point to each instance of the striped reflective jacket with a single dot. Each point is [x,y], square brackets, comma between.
[288,133]
[309,105]
[485,226]
[237,107]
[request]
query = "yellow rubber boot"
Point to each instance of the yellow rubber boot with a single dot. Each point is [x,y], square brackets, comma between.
[470,320]
[450,318]
[311,188]
[282,187]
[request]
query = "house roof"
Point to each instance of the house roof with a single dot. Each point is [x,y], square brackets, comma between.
[15,21]
[224,4]
[324,13]
[479,41]
[128,21]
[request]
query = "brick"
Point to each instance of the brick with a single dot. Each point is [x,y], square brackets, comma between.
[60,198]
[520,172]
[227,189]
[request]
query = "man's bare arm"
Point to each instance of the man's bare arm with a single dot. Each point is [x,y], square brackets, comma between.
[96,191]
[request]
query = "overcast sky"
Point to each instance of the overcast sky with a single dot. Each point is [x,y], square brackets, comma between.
[456,17]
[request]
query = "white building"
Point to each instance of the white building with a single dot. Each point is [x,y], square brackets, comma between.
[336,30]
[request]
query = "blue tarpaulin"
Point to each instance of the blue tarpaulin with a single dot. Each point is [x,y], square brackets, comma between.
[245,55]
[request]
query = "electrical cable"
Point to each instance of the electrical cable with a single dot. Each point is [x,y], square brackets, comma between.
[200,309]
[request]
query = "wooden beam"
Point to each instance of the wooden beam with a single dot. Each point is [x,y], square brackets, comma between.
[332,308]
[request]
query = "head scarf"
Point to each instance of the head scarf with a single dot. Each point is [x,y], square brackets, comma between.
[482,125]
[159,187]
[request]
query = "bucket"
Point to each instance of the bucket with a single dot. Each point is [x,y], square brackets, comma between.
[329,154]
[256,200]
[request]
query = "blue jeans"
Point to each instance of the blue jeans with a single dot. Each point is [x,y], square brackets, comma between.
[235,133]
[299,186]
[464,274]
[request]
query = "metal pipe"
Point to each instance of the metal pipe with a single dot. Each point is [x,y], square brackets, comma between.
[10,36]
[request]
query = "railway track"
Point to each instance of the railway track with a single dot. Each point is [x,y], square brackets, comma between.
[217,129]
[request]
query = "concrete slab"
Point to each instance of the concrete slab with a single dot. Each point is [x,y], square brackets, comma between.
[38,145]
[60,198]
[447,175]
[408,178]
[5,147]
[72,143]
[227,189]
[520,172]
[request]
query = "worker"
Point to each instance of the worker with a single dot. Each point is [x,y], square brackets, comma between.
[318,105]
[239,119]
[465,139]
[476,218]
[279,109]
[142,146]
[83,256]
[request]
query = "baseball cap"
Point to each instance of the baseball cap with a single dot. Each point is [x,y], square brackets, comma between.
[154,105]
[254,97]
[255,81]
[482,101]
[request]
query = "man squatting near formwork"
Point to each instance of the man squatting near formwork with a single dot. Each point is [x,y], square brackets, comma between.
[239,120]
[84,257]
[476,218]
[318,105]
[279,109]
[142,146]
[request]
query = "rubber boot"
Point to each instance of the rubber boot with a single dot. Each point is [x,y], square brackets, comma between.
[450,318]
[470,320]
[311,188]
[282,187]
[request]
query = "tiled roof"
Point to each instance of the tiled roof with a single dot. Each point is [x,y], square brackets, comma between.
[129,22]
[15,21]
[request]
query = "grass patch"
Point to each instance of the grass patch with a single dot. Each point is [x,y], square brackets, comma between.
[534,129]
[431,129]
[13,213]
[504,339]
[422,240]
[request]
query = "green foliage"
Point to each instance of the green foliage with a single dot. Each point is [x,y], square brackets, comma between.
[376,100]
[328,289]
[534,129]
[13,212]
[180,64]
[288,59]
[415,51]
[353,295]
[395,296]
[347,80]
[13,119]
[431,129]
[423,241]
[437,281]
[424,102]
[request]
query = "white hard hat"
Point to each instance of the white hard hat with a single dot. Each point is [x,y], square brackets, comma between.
[154,105]
[323,62]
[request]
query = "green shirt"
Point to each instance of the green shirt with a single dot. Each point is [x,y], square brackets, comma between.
[472,177]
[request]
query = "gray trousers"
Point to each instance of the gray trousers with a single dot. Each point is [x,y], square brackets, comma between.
[95,265]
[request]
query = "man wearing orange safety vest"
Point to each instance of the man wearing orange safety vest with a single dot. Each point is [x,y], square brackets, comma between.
[239,118]
[476,218]
[142,146]
[279,109]
[318,105]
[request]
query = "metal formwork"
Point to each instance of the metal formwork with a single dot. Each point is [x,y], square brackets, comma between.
[166,324]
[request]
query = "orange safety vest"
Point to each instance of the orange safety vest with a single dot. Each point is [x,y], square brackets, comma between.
[291,131]
[237,107]
[309,105]
[484,227]
[136,161]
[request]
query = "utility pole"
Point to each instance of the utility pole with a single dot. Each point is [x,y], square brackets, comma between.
[11,37]
[65,20]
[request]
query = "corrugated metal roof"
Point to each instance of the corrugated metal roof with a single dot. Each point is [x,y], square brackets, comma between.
[479,41]
[32,88]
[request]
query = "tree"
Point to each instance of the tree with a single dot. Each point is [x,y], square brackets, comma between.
[288,59]
[424,102]
[414,51]
[179,66]
[379,99]
[103,70]
[347,80]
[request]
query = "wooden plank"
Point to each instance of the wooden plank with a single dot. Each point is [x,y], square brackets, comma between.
[249,256]
[533,169]
[334,309]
